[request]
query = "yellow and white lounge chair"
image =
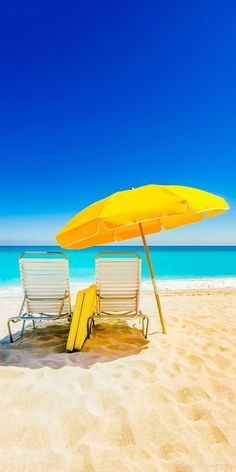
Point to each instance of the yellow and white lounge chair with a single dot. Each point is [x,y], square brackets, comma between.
[45,282]
[118,279]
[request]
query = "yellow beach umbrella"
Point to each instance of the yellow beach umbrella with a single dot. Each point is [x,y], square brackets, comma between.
[138,212]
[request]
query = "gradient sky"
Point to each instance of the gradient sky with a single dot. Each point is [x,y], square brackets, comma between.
[103,96]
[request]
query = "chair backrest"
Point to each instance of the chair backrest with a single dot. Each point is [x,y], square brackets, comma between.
[45,280]
[118,278]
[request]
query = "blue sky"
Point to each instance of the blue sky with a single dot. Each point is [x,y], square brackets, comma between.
[103,96]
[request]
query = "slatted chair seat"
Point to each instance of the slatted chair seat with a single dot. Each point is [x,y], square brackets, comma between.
[45,283]
[118,281]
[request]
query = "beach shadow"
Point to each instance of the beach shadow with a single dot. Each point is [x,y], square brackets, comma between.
[46,346]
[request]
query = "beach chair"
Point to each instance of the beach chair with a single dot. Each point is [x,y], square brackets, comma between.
[45,283]
[118,279]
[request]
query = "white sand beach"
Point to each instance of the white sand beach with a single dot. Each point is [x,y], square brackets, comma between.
[124,403]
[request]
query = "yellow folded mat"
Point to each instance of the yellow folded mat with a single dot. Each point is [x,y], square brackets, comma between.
[85,306]
[88,309]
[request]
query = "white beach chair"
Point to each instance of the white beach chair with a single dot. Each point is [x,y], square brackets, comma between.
[45,283]
[118,282]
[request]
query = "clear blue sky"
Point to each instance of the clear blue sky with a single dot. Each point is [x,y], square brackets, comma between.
[100,96]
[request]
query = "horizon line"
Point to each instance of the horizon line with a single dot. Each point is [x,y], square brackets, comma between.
[123,245]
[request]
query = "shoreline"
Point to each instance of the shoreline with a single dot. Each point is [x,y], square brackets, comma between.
[188,285]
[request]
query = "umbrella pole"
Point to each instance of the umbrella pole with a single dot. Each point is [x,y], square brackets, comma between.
[153,279]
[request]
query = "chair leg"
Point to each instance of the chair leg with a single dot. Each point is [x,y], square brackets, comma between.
[15,320]
[90,324]
[9,331]
[145,321]
[23,328]
[147,326]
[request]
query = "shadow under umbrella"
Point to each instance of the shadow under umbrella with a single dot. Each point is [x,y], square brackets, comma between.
[45,346]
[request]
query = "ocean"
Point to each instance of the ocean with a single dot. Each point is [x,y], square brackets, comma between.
[175,267]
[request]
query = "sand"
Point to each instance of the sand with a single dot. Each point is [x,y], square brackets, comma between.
[124,403]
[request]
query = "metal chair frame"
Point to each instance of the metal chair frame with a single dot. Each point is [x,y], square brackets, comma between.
[24,315]
[133,314]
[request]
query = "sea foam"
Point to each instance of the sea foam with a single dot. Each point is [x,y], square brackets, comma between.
[203,283]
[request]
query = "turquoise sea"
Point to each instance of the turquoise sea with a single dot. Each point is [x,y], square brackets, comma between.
[170,263]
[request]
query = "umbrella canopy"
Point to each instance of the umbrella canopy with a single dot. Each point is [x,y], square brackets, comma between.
[117,217]
[141,211]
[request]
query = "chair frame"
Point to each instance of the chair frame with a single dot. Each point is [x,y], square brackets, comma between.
[24,316]
[129,315]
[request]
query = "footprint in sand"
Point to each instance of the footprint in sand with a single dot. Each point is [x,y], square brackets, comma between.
[175,368]
[191,395]
[198,413]
[147,366]
[222,361]
[119,427]
[171,450]
[136,373]
[195,361]
[217,435]
[223,392]
[85,452]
